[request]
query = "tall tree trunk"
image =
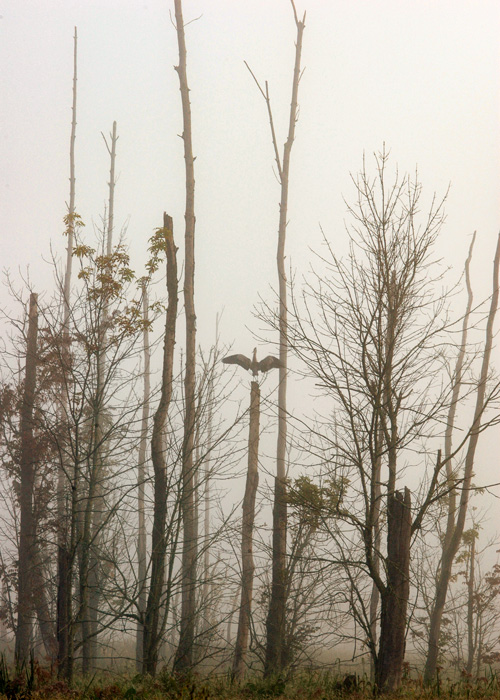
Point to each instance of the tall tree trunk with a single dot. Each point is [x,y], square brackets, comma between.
[64,554]
[435,623]
[387,667]
[395,597]
[111,185]
[41,603]
[479,643]
[376,496]
[455,396]
[158,545]
[84,545]
[206,499]
[206,409]
[471,574]
[27,478]
[141,481]
[90,640]
[247,563]
[275,625]
[452,541]
[184,654]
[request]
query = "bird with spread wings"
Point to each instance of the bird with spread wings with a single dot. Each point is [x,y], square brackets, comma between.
[253,365]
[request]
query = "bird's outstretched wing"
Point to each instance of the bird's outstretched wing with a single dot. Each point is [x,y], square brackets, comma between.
[268,363]
[241,360]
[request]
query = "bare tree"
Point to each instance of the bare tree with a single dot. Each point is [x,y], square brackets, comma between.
[277,605]
[371,331]
[468,641]
[248,517]
[141,480]
[457,516]
[27,462]
[152,628]
[27,485]
[184,656]
[483,609]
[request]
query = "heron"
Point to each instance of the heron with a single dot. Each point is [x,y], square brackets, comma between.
[269,362]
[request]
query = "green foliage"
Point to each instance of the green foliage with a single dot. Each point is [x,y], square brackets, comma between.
[470,535]
[83,251]
[73,222]
[106,281]
[312,502]
[106,275]
[183,687]
[157,248]
[271,687]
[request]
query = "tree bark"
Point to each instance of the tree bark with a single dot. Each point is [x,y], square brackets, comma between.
[141,479]
[84,545]
[275,625]
[376,496]
[111,185]
[457,385]
[454,537]
[206,500]
[471,647]
[247,563]
[184,654]
[41,603]
[27,479]
[395,597]
[151,620]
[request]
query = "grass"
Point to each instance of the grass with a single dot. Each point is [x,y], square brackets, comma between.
[36,683]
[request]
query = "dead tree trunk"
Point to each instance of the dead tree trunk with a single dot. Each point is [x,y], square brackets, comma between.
[27,478]
[247,563]
[141,480]
[471,574]
[64,554]
[184,655]
[396,594]
[376,497]
[435,625]
[275,624]
[206,495]
[90,639]
[207,398]
[455,395]
[84,545]
[455,532]
[152,636]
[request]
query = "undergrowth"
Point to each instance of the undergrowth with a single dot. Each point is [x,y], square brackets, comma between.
[36,683]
